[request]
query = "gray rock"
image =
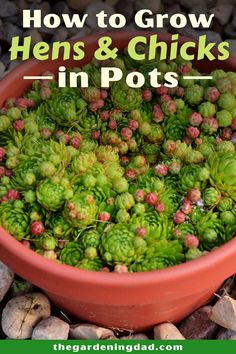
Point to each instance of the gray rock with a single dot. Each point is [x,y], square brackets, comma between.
[95,8]
[190,32]
[111,2]
[212,36]
[126,8]
[222,13]
[137,336]
[22,313]
[89,331]
[60,35]
[198,325]
[154,5]
[7,8]
[190,4]
[14,64]
[226,334]
[230,31]
[11,31]
[227,287]
[51,328]
[78,5]
[60,8]
[2,71]
[34,34]
[6,275]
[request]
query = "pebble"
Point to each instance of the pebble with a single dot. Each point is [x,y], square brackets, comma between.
[154,5]
[190,4]
[89,331]
[126,8]
[167,331]
[95,8]
[137,336]
[2,71]
[212,36]
[60,8]
[34,34]
[22,313]
[226,334]
[7,8]
[6,275]
[11,31]
[224,313]
[78,5]
[51,328]
[226,288]
[60,35]
[198,325]
[222,13]
[230,31]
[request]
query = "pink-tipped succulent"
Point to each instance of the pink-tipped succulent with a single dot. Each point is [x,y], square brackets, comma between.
[151,198]
[191,241]
[179,217]
[37,228]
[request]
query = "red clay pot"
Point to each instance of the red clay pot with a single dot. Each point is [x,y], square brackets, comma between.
[132,301]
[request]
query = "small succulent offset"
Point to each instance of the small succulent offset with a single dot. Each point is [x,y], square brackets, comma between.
[121,180]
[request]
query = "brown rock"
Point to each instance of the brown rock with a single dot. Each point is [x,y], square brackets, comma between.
[198,325]
[226,334]
[224,313]
[22,313]
[6,275]
[51,328]
[78,5]
[89,331]
[167,331]
[222,13]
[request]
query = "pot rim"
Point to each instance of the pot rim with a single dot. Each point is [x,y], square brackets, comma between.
[167,275]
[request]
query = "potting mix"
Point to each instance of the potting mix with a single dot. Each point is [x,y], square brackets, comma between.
[121,179]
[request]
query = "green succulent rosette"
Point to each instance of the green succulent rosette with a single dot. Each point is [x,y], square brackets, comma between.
[222,168]
[26,173]
[125,98]
[95,264]
[81,210]
[50,195]
[72,253]
[118,245]
[211,197]
[46,241]
[210,231]
[159,255]
[14,220]
[90,238]
[66,107]
[59,226]
[190,178]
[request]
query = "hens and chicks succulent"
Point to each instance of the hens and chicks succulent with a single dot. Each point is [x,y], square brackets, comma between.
[122,180]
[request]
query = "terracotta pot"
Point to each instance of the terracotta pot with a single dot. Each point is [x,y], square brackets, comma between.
[134,301]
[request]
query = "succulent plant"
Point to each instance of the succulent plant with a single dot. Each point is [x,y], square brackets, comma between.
[210,231]
[14,220]
[118,245]
[50,195]
[72,253]
[124,97]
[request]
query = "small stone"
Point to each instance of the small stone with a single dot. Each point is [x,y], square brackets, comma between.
[212,36]
[78,5]
[222,13]
[137,336]
[60,35]
[51,328]
[6,275]
[34,34]
[198,325]
[2,71]
[11,31]
[14,64]
[60,8]
[224,313]
[22,313]
[167,331]
[7,8]
[111,3]
[95,8]
[154,5]
[226,334]
[190,32]
[190,4]
[126,8]
[230,31]
[89,331]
